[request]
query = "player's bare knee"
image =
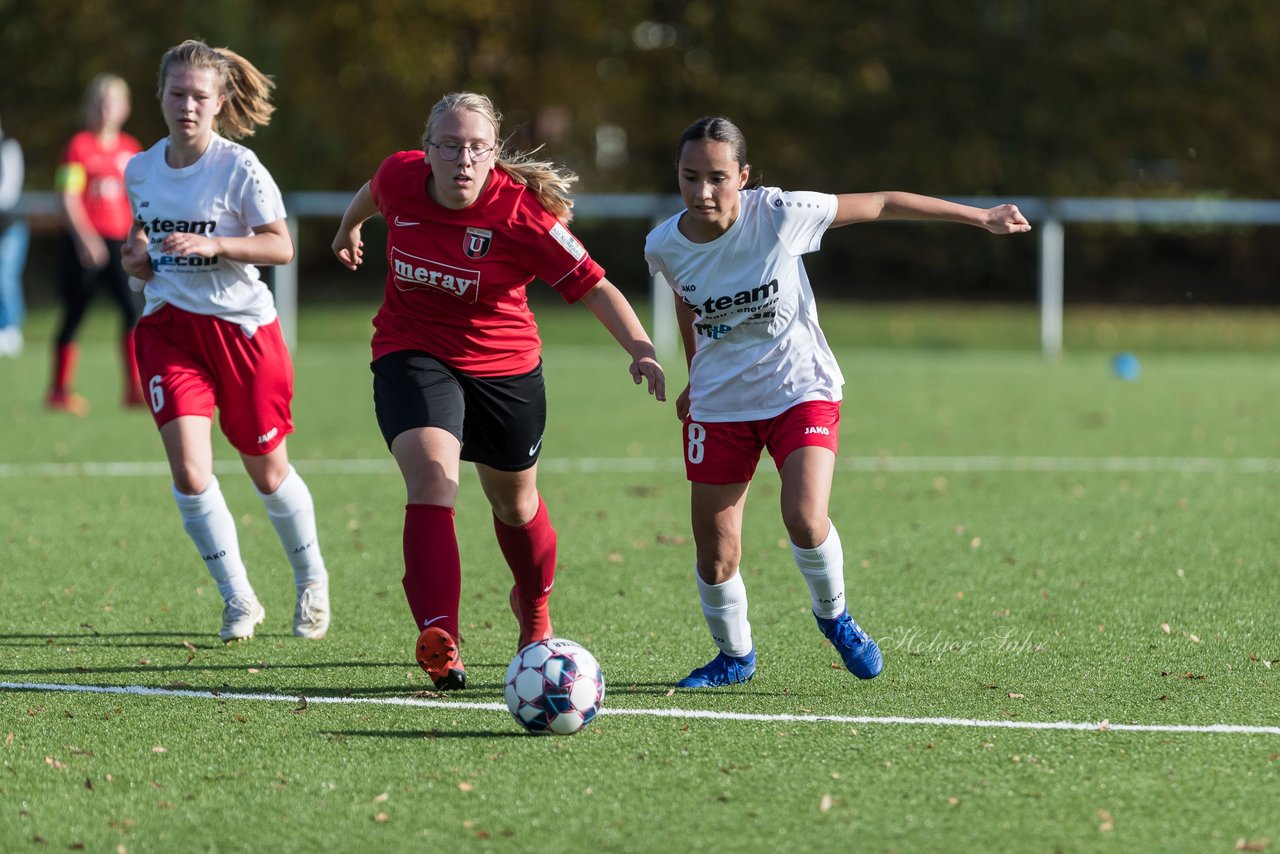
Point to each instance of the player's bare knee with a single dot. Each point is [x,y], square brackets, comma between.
[808,531]
[718,567]
[191,481]
[517,511]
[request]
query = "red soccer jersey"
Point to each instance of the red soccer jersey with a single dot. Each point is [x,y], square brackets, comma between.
[96,172]
[456,278]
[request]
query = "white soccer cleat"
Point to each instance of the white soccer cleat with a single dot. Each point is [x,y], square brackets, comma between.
[239,617]
[311,616]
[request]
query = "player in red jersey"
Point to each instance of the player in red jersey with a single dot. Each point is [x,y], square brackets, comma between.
[90,184]
[456,354]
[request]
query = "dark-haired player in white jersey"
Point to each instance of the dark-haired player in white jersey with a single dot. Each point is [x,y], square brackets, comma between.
[456,354]
[207,212]
[761,376]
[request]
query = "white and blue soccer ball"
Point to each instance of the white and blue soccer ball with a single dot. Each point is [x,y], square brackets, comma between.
[554,687]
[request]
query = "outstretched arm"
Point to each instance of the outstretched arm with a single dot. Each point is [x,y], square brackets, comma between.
[615,314]
[347,244]
[868,207]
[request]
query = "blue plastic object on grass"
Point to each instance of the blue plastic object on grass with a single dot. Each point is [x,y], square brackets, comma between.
[1126,366]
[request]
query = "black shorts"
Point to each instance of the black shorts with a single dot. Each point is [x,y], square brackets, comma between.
[499,420]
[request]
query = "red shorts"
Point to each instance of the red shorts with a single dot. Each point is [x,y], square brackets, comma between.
[192,363]
[728,451]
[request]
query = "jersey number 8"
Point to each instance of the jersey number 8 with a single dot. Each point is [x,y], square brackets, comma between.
[694,449]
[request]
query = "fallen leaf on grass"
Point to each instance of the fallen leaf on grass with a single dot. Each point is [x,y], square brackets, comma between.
[381,799]
[1107,823]
[1014,695]
[53,763]
[464,786]
[159,748]
[1164,627]
[1104,726]
[189,645]
[825,804]
[1251,845]
[382,818]
[1194,638]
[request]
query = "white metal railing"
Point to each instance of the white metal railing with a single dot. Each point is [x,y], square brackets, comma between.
[1049,214]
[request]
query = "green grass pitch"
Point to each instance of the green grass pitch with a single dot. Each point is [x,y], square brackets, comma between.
[1034,545]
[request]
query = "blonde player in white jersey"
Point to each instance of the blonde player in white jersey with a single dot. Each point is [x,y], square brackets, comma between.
[761,376]
[206,212]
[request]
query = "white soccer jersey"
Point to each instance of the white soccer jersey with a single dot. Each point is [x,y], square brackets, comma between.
[226,193]
[760,350]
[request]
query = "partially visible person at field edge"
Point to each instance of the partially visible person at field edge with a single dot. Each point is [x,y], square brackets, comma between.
[90,185]
[457,358]
[13,247]
[762,376]
[208,212]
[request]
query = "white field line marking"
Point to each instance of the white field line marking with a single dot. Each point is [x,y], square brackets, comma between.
[630,465]
[1101,726]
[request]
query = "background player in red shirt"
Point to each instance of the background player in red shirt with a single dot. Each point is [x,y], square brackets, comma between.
[456,354]
[90,183]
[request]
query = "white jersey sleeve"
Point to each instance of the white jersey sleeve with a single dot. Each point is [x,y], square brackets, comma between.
[800,218]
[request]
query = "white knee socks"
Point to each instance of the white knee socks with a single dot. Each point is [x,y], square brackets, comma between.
[293,515]
[209,524]
[823,570]
[725,608]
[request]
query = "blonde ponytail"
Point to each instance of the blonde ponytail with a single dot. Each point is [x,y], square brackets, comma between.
[549,181]
[246,89]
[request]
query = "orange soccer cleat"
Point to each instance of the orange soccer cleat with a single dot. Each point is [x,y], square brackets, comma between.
[67,401]
[438,656]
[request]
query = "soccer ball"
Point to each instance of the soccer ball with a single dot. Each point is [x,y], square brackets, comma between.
[554,686]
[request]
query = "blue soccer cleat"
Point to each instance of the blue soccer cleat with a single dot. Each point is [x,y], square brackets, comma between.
[721,671]
[861,655]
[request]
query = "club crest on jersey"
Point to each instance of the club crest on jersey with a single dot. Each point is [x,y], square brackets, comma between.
[475,243]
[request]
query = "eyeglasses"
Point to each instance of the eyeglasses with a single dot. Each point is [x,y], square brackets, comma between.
[451,151]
